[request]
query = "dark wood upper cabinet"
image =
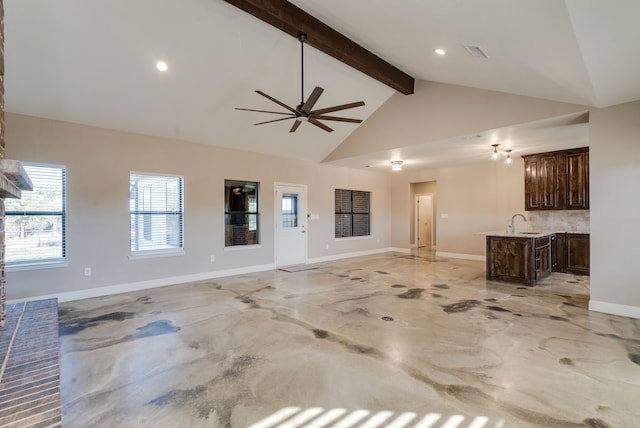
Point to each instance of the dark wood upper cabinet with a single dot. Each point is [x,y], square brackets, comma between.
[577,180]
[541,176]
[557,180]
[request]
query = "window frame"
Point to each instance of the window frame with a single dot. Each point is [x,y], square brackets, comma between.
[158,252]
[338,211]
[43,263]
[229,240]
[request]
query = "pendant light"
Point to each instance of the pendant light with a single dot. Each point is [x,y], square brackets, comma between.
[508,160]
[495,155]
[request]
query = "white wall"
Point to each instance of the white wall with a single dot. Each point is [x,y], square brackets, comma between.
[438,111]
[615,209]
[98,163]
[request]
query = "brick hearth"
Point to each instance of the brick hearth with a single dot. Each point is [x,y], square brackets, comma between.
[30,371]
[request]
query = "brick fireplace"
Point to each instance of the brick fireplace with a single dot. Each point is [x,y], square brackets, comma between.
[13,178]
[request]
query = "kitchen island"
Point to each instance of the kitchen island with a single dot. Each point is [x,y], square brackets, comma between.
[521,258]
[526,257]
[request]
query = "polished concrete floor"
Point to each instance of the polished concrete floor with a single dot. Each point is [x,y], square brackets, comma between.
[390,340]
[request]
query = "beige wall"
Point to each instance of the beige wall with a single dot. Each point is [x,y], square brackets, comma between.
[475,198]
[98,163]
[615,205]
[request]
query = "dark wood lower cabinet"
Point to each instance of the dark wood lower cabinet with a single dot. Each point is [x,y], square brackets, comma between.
[519,260]
[578,253]
[526,260]
[542,256]
[510,260]
[559,252]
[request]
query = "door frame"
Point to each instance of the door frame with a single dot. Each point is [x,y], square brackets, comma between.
[304,221]
[416,225]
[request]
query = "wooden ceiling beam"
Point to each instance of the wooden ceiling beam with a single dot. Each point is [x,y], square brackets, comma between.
[293,20]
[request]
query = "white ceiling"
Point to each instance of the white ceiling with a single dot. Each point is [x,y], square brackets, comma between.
[93,62]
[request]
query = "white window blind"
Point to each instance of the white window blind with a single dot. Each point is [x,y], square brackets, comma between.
[156,208]
[35,224]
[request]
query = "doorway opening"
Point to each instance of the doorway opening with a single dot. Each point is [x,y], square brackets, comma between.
[424,222]
[423,226]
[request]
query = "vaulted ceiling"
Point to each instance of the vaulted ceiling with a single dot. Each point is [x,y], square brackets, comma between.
[94,63]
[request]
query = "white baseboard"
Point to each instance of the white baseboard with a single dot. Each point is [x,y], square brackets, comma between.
[356,254]
[399,250]
[162,282]
[144,285]
[461,256]
[614,309]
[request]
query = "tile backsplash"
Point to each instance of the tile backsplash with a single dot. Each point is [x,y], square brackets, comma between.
[566,221]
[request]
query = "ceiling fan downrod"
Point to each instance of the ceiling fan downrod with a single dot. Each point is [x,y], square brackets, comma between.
[304,111]
[302,37]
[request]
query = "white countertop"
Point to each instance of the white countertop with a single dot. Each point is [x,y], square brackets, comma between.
[526,233]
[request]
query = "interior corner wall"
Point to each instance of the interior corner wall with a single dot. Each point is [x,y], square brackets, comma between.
[470,199]
[98,163]
[615,207]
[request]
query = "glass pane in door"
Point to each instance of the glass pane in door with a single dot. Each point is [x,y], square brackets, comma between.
[289,210]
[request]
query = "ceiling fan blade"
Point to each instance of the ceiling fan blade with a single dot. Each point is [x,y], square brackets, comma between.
[319,124]
[262,111]
[295,126]
[337,108]
[337,119]
[280,103]
[275,120]
[312,100]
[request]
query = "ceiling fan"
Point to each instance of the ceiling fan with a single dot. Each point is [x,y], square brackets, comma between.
[303,112]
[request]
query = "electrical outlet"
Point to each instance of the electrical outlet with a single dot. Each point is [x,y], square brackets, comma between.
[213,259]
[326,247]
[87,271]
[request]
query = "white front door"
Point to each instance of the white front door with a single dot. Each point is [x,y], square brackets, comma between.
[291,224]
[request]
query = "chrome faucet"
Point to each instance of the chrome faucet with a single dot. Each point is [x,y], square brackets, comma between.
[511,226]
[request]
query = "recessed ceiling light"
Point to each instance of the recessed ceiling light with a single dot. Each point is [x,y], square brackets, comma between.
[162,66]
[440,51]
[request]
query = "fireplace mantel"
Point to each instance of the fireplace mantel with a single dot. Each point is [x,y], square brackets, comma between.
[13,179]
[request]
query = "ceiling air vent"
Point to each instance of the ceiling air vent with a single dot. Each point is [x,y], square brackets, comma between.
[475,51]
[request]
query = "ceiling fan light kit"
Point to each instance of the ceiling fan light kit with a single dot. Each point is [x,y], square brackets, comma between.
[303,112]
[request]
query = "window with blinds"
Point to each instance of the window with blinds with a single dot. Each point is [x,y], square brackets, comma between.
[353,213]
[156,209]
[35,224]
